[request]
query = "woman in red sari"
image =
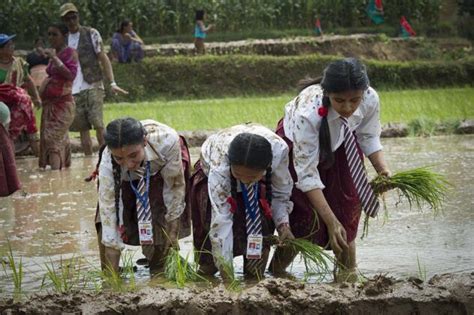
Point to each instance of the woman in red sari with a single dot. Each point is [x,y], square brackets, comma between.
[9,182]
[58,103]
[14,77]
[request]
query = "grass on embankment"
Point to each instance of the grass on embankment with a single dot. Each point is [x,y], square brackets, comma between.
[413,107]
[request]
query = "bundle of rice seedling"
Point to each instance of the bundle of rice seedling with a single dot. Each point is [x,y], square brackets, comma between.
[316,260]
[419,186]
[179,269]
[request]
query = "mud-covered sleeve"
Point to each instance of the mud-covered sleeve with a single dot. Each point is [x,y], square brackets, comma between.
[368,132]
[221,217]
[173,177]
[282,185]
[107,211]
[306,153]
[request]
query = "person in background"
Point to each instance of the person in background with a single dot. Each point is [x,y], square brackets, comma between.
[127,46]
[143,170]
[14,77]
[58,103]
[88,88]
[239,192]
[9,182]
[200,31]
[329,127]
[37,62]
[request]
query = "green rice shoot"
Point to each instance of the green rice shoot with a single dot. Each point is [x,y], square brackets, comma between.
[16,272]
[179,270]
[419,186]
[64,278]
[316,260]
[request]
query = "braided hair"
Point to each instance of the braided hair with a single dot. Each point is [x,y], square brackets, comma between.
[119,133]
[255,152]
[339,76]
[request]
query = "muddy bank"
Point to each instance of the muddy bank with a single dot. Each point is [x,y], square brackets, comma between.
[444,294]
[368,46]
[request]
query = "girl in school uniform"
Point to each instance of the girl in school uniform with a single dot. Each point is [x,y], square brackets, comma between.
[142,187]
[240,190]
[329,127]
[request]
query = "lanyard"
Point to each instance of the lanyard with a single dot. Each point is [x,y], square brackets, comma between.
[252,212]
[144,200]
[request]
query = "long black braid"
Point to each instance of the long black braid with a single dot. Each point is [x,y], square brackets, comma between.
[119,133]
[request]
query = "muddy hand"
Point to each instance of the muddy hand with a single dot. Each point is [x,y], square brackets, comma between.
[338,238]
[226,277]
[284,233]
[172,229]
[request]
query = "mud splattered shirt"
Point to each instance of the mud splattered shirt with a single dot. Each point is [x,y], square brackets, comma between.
[164,153]
[215,164]
[302,123]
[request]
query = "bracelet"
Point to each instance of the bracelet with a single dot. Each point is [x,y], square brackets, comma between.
[113,83]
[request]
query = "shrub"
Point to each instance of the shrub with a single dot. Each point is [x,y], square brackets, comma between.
[216,76]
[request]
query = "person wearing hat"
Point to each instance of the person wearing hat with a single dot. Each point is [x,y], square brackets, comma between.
[14,76]
[9,182]
[88,87]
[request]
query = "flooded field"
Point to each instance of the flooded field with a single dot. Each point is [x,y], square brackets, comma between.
[52,218]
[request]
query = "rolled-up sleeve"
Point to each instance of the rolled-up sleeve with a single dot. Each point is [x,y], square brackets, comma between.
[369,130]
[174,186]
[282,185]
[107,211]
[306,154]
[220,234]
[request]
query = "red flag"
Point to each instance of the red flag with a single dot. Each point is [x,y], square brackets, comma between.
[406,26]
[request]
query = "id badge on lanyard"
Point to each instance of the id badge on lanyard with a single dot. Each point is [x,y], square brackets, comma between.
[145,227]
[145,232]
[254,246]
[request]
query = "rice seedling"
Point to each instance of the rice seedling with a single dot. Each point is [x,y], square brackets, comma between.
[418,186]
[316,260]
[65,278]
[228,275]
[15,270]
[421,269]
[180,270]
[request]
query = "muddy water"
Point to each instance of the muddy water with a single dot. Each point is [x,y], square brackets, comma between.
[52,218]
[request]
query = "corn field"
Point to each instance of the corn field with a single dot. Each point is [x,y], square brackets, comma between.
[30,18]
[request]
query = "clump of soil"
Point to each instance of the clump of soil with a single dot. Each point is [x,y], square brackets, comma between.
[444,294]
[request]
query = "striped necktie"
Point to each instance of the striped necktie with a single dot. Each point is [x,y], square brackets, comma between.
[143,200]
[369,201]
[253,221]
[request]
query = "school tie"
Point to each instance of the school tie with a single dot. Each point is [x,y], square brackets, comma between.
[143,204]
[369,201]
[253,222]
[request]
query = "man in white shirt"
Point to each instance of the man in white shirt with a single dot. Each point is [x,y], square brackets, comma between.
[88,88]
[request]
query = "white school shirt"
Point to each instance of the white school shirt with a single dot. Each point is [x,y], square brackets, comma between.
[164,153]
[302,122]
[215,164]
[79,83]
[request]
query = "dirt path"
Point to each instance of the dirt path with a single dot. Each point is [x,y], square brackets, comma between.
[445,294]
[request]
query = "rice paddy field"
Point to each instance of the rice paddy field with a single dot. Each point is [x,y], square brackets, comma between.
[419,107]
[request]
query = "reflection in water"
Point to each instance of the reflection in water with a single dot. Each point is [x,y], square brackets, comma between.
[53,215]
